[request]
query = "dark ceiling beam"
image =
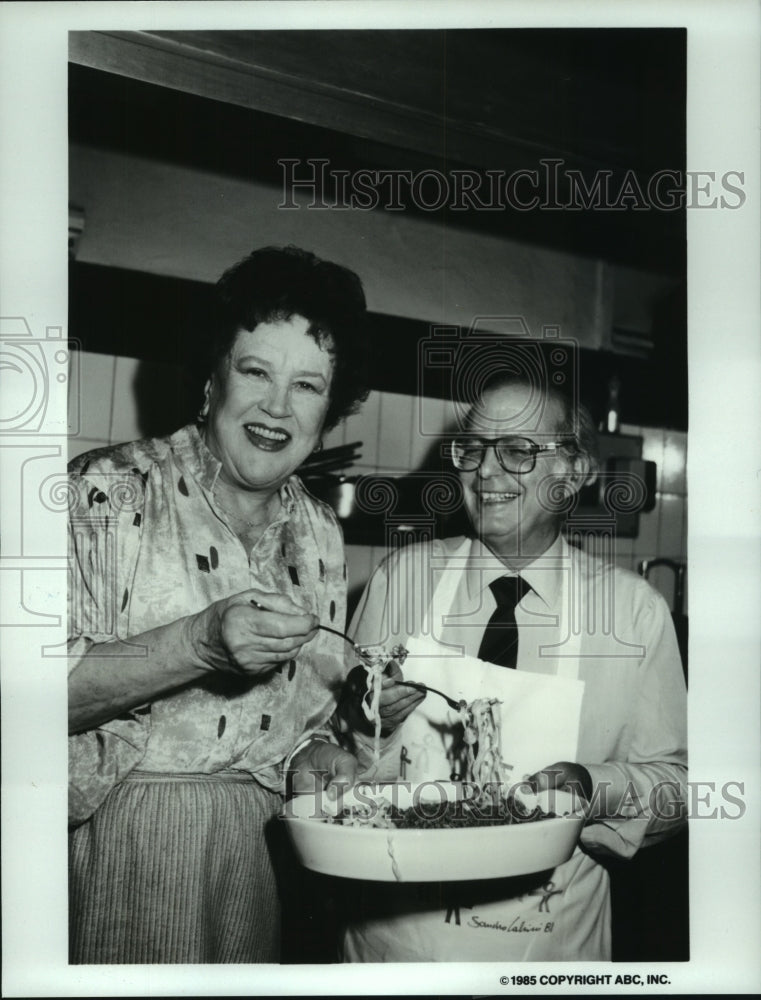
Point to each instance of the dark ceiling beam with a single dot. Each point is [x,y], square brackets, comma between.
[134,117]
[471,123]
[169,63]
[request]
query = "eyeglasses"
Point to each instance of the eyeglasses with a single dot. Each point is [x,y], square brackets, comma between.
[514,454]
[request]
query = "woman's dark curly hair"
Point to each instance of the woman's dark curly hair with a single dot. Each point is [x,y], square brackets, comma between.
[275,283]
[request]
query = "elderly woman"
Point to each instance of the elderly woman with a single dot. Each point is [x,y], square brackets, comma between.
[200,571]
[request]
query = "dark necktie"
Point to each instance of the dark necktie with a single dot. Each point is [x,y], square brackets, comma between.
[500,641]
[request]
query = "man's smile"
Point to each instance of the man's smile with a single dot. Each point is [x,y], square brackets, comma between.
[495,496]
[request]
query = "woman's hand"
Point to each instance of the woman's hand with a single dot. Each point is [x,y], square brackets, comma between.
[234,635]
[323,762]
[230,635]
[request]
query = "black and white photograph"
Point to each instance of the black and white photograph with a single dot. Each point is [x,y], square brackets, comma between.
[380,500]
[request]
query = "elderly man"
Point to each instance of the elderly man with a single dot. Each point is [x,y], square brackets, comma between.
[584,659]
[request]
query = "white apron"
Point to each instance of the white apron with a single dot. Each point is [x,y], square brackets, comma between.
[563,917]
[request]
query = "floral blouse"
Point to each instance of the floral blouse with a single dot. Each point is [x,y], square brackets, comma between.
[149,545]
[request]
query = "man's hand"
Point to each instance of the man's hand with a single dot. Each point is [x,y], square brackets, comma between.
[564,776]
[396,700]
[323,765]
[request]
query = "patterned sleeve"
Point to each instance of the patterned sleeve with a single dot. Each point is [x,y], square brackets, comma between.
[320,540]
[98,565]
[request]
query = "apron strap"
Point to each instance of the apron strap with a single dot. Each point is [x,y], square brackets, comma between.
[445,590]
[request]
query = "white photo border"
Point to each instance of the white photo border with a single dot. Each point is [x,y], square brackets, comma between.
[724,486]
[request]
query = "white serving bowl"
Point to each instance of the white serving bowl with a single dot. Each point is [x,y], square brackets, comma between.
[439,855]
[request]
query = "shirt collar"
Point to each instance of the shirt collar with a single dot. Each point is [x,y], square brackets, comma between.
[544,574]
[196,459]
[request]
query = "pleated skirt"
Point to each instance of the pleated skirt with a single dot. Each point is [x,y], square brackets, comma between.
[176,869]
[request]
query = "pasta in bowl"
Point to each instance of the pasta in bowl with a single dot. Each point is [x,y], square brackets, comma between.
[433,831]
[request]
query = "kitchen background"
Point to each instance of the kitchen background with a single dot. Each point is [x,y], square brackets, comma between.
[388,427]
[174,143]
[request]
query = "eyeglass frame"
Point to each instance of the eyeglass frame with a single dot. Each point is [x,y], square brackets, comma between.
[551,447]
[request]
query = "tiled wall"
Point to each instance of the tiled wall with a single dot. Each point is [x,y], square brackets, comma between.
[662,531]
[396,431]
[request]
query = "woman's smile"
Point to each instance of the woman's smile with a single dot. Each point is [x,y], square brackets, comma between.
[267,438]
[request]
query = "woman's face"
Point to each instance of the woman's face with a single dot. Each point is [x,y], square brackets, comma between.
[267,404]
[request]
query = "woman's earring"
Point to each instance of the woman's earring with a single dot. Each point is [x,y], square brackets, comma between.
[318,447]
[204,411]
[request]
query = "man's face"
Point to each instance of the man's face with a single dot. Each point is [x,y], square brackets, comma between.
[509,510]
